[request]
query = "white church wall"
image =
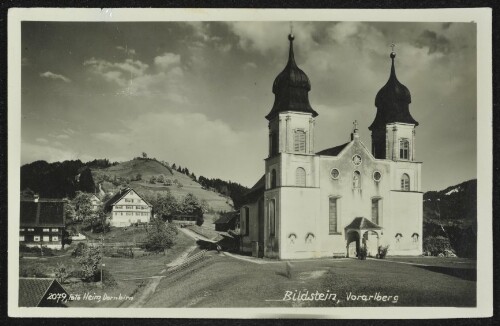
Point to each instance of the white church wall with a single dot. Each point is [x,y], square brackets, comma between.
[299,228]
[253,232]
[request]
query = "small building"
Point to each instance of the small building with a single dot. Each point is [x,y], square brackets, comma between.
[96,202]
[42,222]
[227,221]
[187,219]
[127,207]
[41,292]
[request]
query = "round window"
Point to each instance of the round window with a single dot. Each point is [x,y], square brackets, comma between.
[377,176]
[335,174]
[356,160]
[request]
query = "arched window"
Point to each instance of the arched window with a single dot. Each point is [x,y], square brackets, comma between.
[299,141]
[356,180]
[272,217]
[404,149]
[300,177]
[273,178]
[405,182]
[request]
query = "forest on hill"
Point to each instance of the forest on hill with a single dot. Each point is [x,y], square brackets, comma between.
[64,179]
[450,215]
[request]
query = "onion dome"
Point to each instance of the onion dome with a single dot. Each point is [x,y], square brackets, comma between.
[291,88]
[392,102]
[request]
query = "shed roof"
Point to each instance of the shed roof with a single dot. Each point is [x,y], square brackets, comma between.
[227,217]
[32,290]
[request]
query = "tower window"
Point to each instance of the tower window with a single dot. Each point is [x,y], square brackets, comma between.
[300,177]
[404,149]
[332,221]
[274,144]
[272,217]
[273,178]
[405,182]
[300,141]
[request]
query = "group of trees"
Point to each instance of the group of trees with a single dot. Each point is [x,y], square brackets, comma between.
[231,189]
[80,209]
[162,179]
[166,206]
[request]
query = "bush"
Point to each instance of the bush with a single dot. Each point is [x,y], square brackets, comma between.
[80,247]
[160,236]
[37,270]
[107,278]
[362,253]
[90,261]
[436,245]
[382,251]
[62,272]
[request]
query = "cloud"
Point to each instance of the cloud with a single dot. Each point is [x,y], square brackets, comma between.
[208,139]
[134,78]
[126,50]
[42,140]
[62,136]
[167,60]
[33,152]
[250,65]
[51,75]
[434,42]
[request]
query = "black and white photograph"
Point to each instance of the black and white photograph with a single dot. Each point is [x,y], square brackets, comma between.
[276,160]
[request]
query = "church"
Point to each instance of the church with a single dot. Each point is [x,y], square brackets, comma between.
[335,201]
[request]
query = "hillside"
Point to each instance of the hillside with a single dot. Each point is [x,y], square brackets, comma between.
[110,179]
[452,213]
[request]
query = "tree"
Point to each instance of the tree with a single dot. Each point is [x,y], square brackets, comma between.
[86,181]
[165,205]
[193,176]
[160,236]
[69,210]
[152,179]
[83,206]
[179,169]
[90,261]
[160,178]
[186,171]
[191,205]
[174,167]
[138,177]
[144,155]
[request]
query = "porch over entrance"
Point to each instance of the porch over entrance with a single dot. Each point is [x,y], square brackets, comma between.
[362,228]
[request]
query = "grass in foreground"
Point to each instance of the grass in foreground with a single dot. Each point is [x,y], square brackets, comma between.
[226,282]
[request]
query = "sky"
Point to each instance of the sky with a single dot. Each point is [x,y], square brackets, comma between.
[196,93]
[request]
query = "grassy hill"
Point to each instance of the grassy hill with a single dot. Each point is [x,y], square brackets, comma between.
[112,178]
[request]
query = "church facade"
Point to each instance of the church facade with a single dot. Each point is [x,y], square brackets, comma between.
[330,203]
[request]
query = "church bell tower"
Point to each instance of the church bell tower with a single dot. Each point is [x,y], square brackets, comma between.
[393,130]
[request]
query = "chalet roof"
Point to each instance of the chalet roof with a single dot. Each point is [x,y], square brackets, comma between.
[119,195]
[333,151]
[227,217]
[45,212]
[32,290]
[362,223]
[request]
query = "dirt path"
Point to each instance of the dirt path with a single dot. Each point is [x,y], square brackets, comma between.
[179,260]
[149,289]
[154,281]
